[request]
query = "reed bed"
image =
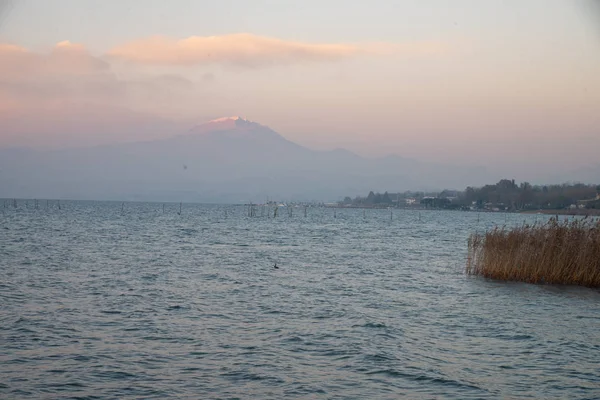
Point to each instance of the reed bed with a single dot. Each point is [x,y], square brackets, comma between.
[554,253]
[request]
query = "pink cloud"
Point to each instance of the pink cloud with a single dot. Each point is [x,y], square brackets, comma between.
[6,48]
[68,72]
[238,49]
[65,59]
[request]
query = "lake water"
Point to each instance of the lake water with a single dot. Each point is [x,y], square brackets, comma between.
[99,301]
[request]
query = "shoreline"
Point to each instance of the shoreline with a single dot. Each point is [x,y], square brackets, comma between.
[576,211]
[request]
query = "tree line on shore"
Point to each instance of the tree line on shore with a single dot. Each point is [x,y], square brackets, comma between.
[506,195]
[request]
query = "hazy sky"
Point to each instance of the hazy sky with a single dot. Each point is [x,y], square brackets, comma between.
[486,82]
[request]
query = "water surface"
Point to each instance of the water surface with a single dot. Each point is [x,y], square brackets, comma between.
[100,300]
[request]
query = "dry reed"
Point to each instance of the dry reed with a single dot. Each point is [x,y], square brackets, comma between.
[553,253]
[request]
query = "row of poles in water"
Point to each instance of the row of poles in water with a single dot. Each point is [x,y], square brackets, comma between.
[36,204]
[7,203]
[266,211]
[252,209]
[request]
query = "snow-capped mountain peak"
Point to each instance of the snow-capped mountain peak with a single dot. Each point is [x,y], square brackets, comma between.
[225,119]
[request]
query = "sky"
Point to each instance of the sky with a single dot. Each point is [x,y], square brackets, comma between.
[508,85]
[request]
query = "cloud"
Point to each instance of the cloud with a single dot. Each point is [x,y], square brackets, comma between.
[248,50]
[66,45]
[11,48]
[71,96]
[242,49]
[65,59]
[68,74]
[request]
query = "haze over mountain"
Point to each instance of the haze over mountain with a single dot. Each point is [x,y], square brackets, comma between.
[515,90]
[225,160]
[229,159]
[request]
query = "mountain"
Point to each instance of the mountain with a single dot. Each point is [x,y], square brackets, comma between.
[224,160]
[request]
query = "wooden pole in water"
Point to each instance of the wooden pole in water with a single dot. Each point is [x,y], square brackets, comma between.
[122,207]
[334,213]
[391,215]
[59,204]
[179,208]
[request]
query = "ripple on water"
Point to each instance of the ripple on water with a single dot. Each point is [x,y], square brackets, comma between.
[100,304]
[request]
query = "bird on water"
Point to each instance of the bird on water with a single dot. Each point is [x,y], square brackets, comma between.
[275,266]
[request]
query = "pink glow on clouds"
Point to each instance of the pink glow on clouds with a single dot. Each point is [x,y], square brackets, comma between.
[239,49]
[416,98]
[244,49]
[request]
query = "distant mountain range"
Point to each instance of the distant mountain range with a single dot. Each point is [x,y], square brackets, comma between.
[224,160]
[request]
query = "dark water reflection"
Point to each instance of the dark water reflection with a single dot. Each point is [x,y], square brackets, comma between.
[100,303]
